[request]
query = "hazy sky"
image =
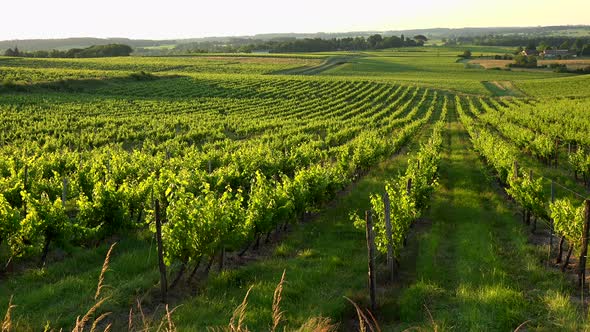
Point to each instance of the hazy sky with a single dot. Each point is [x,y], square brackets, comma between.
[183,18]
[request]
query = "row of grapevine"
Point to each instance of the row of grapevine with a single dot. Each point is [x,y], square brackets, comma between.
[566,119]
[201,64]
[566,214]
[538,144]
[580,163]
[252,173]
[408,194]
[269,203]
[537,132]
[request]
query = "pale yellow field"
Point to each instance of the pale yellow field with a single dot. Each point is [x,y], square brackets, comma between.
[490,63]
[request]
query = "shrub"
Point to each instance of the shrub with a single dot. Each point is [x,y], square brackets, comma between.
[524,61]
[466,54]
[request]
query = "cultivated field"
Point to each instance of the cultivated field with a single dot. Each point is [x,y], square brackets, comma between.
[571,64]
[221,172]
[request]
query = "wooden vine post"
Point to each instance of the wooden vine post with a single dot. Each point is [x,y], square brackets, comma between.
[26,188]
[530,212]
[584,251]
[408,191]
[221,259]
[556,151]
[515,170]
[163,281]
[389,234]
[371,256]
[551,225]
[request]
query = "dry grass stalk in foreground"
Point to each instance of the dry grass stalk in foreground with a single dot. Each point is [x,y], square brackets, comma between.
[277,314]
[365,324]
[166,324]
[236,323]
[318,324]
[7,322]
[105,267]
[240,314]
[81,323]
[98,320]
[434,325]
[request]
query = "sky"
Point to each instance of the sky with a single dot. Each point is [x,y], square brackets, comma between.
[175,19]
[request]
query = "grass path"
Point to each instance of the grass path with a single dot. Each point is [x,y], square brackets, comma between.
[503,88]
[329,63]
[474,269]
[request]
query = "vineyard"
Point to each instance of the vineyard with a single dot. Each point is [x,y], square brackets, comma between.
[215,173]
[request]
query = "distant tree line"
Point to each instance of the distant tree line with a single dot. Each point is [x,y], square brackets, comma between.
[579,45]
[96,51]
[284,45]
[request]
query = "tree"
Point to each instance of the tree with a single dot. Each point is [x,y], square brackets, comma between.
[532,45]
[9,52]
[543,46]
[586,50]
[466,54]
[40,54]
[525,61]
[374,40]
[578,45]
[392,41]
[565,45]
[56,54]
[420,38]
[73,53]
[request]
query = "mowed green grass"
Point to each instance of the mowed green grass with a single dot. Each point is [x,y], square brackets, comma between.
[57,294]
[474,268]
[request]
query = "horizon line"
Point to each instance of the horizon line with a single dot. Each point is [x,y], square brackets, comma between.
[303,33]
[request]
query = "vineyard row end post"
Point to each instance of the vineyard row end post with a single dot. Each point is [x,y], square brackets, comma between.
[584,251]
[161,264]
[389,234]
[371,255]
[551,223]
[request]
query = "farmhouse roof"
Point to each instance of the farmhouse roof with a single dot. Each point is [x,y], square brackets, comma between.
[556,52]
